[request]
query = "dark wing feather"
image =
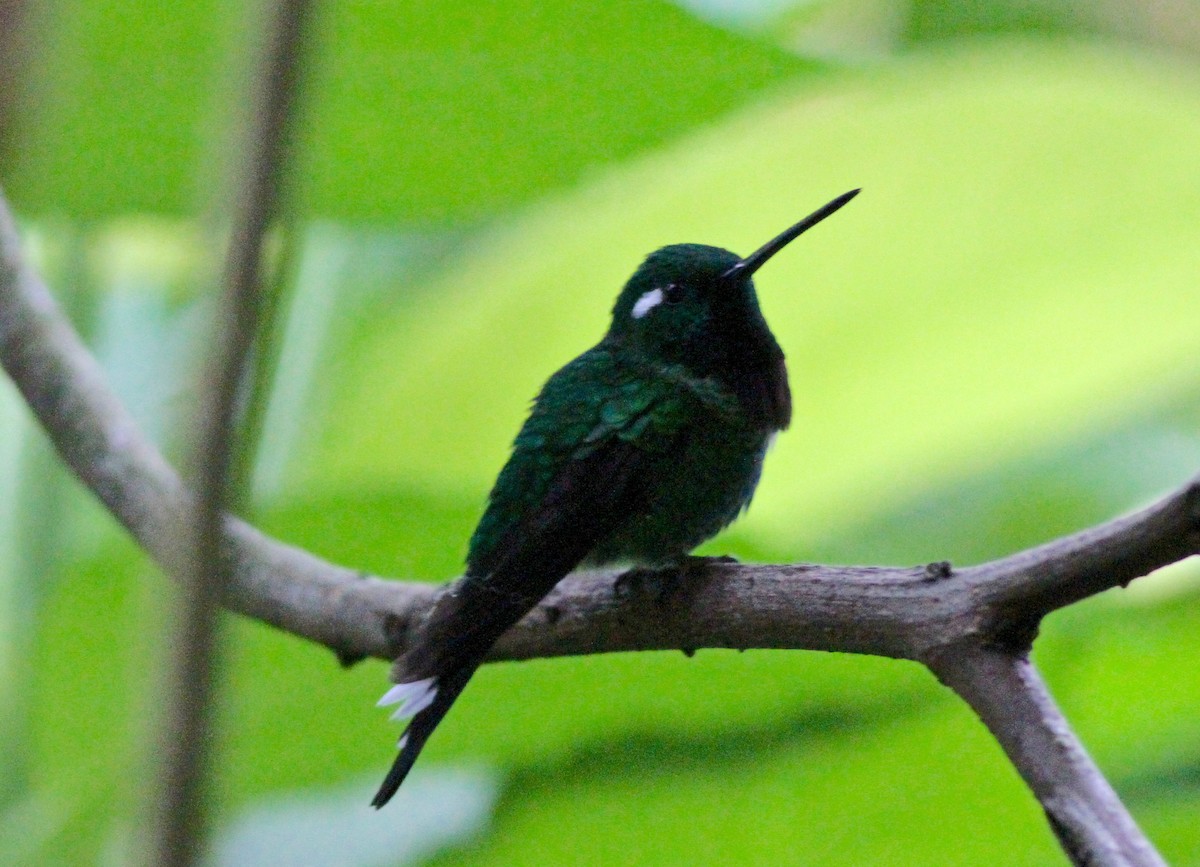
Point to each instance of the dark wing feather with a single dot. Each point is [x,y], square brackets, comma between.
[583,502]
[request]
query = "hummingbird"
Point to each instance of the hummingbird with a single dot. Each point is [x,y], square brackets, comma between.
[634,453]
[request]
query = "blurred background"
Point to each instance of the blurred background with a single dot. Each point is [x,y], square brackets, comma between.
[996,344]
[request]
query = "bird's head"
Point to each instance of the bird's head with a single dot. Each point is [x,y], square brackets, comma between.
[695,305]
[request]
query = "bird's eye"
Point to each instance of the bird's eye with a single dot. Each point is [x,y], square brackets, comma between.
[673,293]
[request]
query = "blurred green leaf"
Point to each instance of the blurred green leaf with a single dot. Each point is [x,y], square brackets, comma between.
[935,20]
[1165,26]
[450,111]
[92,699]
[124,108]
[1022,503]
[418,111]
[920,788]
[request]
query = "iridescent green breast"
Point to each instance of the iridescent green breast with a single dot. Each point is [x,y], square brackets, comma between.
[701,483]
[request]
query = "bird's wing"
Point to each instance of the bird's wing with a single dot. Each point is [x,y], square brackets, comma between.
[579,467]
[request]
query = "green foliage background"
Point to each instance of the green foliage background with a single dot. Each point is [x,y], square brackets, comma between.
[994,345]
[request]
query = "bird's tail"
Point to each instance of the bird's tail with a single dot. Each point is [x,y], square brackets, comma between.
[426,702]
[464,624]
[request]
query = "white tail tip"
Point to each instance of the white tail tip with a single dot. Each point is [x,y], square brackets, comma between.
[412,697]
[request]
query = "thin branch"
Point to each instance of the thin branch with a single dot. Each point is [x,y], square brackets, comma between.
[1091,823]
[988,613]
[178,832]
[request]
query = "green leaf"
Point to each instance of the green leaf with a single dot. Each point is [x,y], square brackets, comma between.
[416,111]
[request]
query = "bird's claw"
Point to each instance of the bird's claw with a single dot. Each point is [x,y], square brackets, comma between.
[696,562]
[658,584]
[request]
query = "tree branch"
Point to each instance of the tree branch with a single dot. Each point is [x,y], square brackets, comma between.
[985,615]
[1082,808]
[177,833]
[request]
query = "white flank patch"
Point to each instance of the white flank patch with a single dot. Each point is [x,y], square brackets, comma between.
[403,742]
[647,303]
[412,697]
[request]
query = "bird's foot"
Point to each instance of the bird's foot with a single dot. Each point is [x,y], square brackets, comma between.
[657,584]
[938,571]
[662,583]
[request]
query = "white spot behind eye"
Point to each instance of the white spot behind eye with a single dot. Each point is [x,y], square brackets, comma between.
[647,303]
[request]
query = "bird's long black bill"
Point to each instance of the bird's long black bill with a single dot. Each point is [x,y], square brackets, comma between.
[758,258]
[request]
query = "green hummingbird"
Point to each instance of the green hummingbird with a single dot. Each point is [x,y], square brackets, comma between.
[634,453]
